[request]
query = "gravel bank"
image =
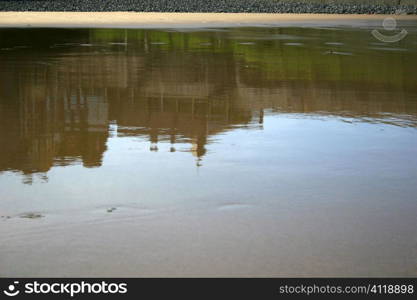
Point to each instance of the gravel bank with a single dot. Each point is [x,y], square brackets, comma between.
[252,6]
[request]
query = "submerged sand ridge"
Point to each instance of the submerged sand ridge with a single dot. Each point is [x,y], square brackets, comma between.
[163,20]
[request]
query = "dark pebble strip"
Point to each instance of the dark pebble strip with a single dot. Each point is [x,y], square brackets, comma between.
[232,6]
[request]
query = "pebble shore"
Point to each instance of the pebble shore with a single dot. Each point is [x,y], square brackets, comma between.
[230,6]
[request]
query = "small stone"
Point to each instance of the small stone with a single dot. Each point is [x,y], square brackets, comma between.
[31,216]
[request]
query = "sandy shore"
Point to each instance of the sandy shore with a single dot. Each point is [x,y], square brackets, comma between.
[163,20]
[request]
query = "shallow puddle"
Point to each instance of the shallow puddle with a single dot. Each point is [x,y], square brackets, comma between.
[233,152]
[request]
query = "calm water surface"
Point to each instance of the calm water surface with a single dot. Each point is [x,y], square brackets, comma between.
[226,152]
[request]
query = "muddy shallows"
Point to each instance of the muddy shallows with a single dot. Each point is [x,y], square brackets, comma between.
[208,152]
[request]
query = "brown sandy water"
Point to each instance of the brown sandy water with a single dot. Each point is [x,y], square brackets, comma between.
[208,152]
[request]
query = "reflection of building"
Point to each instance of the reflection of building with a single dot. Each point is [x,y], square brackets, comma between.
[86,128]
[64,118]
[45,128]
[56,110]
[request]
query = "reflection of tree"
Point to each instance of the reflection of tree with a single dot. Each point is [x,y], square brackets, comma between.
[56,104]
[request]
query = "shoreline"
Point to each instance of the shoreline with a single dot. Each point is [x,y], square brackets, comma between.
[184,20]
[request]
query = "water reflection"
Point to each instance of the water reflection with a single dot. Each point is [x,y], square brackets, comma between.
[64,92]
[235,152]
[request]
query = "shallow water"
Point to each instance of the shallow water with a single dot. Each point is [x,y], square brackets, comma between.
[221,152]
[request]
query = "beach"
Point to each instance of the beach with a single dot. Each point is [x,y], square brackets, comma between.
[208,139]
[260,151]
[164,20]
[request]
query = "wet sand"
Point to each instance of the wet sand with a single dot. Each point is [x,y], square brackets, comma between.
[163,20]
[215,240]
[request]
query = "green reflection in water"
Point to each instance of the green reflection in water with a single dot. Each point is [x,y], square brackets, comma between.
[61,89]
